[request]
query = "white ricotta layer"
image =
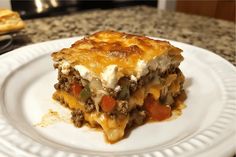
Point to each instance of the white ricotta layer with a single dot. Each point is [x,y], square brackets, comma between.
[133,78]
[117,89]
[65,67]
[84,72]
[109,76]
[141,68]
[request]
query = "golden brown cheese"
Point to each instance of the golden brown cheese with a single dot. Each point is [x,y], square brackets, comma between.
[105,48]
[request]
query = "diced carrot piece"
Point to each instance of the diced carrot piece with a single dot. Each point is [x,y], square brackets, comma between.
[155,110]
[160,112]
[76,89]
[108,103]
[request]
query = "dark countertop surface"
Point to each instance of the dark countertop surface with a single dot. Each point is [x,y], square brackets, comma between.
[212,34]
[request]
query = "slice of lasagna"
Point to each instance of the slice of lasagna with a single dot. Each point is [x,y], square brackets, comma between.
[117,81]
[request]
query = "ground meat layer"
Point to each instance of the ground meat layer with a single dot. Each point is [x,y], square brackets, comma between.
[128,87]
[137,116]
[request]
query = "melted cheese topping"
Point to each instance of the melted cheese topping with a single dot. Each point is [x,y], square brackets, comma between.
[155,90]
[137,99]
[98,51]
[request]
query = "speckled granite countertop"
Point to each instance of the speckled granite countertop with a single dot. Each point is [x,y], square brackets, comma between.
[215,35]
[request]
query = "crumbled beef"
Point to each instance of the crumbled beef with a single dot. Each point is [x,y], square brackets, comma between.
[146,79]
[89,106]
[77,117]
[111,92]
[122,107]
[65,81]
[55,65]
[57,86]
[137,117]
[112,115]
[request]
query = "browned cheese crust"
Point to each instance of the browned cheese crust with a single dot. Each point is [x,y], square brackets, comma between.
[110,47]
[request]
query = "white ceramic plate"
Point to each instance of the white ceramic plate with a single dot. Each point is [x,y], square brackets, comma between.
[205,128]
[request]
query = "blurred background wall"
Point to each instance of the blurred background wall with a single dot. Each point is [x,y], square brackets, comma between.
[222,9]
